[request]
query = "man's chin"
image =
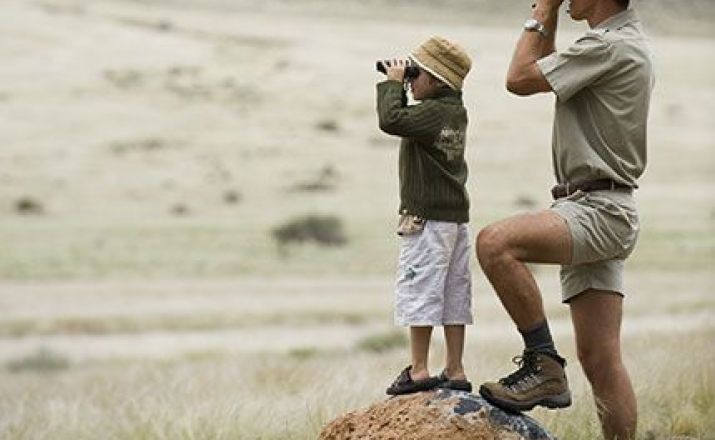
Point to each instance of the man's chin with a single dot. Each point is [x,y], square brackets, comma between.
[575,16]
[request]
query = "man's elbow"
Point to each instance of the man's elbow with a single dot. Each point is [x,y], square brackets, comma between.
[519,86]
[527,80]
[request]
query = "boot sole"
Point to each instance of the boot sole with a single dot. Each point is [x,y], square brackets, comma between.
[562,400]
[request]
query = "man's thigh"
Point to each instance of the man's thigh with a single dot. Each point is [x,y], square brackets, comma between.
[540,237]
[596,316]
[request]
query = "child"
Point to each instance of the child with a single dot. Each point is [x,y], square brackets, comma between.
[433,279]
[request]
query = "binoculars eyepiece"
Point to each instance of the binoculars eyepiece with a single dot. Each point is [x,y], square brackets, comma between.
[411,71]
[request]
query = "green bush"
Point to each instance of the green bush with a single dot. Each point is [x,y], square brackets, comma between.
[325,230]
[382,342]
[43,361]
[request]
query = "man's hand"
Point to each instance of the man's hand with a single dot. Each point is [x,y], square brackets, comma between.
[396,70]
[549,4]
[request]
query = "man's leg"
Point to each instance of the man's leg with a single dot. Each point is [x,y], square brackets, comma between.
[454,337]
[504,247]
[419,347]
[596,318]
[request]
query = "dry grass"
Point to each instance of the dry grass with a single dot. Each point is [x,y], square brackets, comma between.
[286,380]
[273,396]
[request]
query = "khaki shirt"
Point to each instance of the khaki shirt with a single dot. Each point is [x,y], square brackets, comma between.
[603,84]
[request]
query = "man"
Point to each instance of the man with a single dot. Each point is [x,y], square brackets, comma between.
[602,85]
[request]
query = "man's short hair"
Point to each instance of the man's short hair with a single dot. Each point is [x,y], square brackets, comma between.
[624,3]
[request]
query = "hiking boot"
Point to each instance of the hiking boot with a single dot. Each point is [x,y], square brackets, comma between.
[540,380]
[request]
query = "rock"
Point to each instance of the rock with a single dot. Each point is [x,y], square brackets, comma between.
[434,415]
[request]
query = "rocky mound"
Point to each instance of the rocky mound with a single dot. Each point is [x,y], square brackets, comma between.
[435,415]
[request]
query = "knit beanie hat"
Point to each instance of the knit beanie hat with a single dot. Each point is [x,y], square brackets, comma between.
[445,60]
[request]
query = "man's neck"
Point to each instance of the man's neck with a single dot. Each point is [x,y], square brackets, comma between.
[603,11]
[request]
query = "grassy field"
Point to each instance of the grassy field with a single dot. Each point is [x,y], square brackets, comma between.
[262,359]
[151,149]
[203,130]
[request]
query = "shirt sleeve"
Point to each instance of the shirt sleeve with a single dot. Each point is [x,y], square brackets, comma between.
[397,118]
[579,66]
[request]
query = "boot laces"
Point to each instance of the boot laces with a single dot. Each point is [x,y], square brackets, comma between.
[527,367]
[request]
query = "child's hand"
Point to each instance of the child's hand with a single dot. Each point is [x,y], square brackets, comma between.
[396,70]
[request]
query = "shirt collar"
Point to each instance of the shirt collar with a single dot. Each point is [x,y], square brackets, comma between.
[618,20]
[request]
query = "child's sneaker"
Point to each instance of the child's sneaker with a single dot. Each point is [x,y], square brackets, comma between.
[454,384]
[404,384]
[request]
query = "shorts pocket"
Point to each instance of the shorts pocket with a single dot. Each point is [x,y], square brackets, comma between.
[620,222]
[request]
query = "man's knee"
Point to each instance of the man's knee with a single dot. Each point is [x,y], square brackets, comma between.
[491,245]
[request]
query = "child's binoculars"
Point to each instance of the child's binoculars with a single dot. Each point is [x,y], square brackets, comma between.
[411,72]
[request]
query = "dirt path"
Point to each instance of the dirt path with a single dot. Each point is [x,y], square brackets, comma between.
[163,319]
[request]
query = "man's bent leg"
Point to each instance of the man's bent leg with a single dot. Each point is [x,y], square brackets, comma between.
[504,247]
[596,316]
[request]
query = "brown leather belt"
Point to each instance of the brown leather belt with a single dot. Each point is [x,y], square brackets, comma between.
[566,189]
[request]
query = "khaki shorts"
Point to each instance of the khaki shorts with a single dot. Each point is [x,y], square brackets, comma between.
[434,284]
[604,230]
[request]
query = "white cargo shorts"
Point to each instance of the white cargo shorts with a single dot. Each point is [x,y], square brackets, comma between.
[434,284]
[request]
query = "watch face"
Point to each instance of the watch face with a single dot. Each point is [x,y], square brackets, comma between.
[531,24]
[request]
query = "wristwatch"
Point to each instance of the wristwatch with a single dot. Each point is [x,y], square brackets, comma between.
[533,25]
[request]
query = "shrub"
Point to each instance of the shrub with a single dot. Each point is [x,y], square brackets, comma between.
[525,201]
[303,353]
[325,230]
[325,180]
[381,342]
[179,209]
[329,125]
[231,197]
[42,361]
[27,205]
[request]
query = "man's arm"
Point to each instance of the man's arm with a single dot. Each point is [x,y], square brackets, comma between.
[524,76]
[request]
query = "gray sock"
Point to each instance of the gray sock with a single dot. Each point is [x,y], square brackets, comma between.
[539,339]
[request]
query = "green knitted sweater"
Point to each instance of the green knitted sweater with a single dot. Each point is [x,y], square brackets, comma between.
[433,172]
